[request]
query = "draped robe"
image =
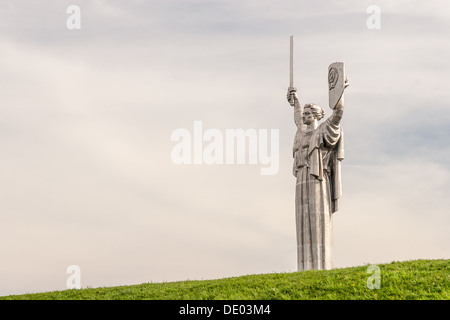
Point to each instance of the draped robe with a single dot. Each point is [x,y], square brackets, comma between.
[317,157]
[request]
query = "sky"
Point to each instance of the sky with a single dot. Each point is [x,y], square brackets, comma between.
[87,116]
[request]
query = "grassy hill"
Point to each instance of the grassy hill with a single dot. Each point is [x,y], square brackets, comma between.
[418,279]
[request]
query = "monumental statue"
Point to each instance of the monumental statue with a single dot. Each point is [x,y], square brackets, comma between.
[318,151]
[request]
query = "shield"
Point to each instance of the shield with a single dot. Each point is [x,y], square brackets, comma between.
[336,83]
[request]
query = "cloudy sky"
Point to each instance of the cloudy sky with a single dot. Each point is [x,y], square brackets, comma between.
[86,118]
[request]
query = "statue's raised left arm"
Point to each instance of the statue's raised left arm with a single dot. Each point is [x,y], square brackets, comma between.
[338,110]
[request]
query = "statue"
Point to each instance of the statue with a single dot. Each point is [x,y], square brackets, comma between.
[318,150]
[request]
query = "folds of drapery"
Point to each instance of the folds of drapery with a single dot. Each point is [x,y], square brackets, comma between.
[328,138]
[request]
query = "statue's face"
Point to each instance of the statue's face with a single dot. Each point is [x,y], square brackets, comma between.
[308,117]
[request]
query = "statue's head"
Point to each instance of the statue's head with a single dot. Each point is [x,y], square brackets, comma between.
[312,112]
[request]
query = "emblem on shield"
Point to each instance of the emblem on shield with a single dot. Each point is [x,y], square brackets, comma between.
[336,83]
[333,76]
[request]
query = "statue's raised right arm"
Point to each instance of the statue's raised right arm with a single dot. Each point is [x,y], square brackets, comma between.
[293,100]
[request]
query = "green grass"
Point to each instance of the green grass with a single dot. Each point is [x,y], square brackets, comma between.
[408,280]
